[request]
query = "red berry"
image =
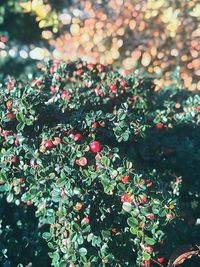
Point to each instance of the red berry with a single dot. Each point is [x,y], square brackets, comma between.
[52,89]
[79,72]
[78,206]
[94,125]
[77,137]
[57,140]
[159,126]
[71,131]
[65,95]
[161,260]
[82,161]
[5,133]
[53,69]
[20,180]
[126,198]
[14,160]
[142,199]
[86,220]
[10,116]
[169,216]
[123,83]
[48,144]
[29,203]
[125,179]
[149,183]
[147,262]
[56,77]
[100,68]
[95,146]
[4,39]
[16,142]
[112,87]
[9,85]
[150,217]
[9,104]
[90,66]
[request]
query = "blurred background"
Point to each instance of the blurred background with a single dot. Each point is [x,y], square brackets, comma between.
[155,37]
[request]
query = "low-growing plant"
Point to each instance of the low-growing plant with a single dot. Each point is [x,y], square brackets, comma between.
[100,157]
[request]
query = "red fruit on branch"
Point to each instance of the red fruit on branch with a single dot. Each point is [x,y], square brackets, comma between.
[77,137]
[20,180]
[29,203]
[71,131]
[48,144]
[3,39]
[123,83]
[82,161]
[79,72]
[142,199]
[90,66]
[5,133]
[161,260]
[53,68]
[14,160]
[9,104]
[86,220]
[149,183]
[57,141]
[95,146]
[147,262]
[78,206]
[150,217]
[126,198]
[148,248]
[65,95]
[10,116]
[113,87]
[10,85]
[160,125]
[16,142]
[100,68]
[94,125]
[125,179]
[52,89]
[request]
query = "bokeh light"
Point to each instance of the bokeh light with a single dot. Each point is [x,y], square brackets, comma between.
[150,35]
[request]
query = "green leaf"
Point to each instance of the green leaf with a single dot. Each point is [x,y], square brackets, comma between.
[56,257]
[127,206]
[3,178]
[62,264]
[46,236]
[146,256]
[50,245]
[134,230]
[10,197]
[132,222]
[20,117]
[82,251]
[149,241]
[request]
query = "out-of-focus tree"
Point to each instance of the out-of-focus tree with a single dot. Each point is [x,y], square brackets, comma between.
[21,34]
[153,36]
[156,36]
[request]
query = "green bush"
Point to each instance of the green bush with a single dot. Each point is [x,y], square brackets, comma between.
[109,165]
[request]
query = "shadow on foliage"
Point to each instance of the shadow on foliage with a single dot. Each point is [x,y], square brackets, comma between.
[20,235]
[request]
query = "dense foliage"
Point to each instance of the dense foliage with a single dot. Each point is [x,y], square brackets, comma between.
[108,166]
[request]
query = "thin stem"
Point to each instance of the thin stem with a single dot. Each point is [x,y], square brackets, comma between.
[157,263]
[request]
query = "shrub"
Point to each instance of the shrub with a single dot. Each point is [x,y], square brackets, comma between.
[100,157]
